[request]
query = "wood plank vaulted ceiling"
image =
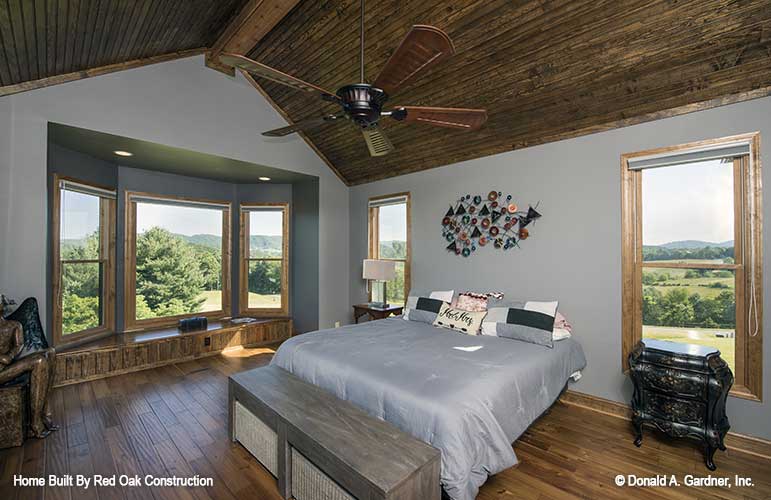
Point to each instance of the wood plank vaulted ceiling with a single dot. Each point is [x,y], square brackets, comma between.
[544,69]
[45,38]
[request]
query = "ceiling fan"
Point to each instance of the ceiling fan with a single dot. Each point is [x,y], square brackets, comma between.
[362,103]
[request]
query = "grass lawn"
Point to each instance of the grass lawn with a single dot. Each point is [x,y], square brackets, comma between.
[702,290]
[690,285]
[213,300]
[699,336]
[266,301]
[687,261]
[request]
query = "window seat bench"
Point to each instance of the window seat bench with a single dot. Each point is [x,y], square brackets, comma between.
[130,352]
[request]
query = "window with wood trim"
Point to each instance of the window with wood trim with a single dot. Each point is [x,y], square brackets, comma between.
[692,251]
[83,258]
[177,259]
[264,269]
[389,239]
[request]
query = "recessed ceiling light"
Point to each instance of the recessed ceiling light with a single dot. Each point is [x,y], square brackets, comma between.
[123,153]
[263,178]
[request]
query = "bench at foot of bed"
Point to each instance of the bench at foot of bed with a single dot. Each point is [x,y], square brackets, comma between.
[320,447]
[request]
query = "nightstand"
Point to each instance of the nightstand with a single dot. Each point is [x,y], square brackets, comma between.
[360,310]
[681,389]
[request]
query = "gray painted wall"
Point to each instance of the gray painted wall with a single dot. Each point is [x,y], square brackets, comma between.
[182,104]
[304,285]
[574,254]
[304,251]
[6,157]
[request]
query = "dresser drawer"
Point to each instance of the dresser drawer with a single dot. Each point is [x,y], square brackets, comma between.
[682,411]
[674,381]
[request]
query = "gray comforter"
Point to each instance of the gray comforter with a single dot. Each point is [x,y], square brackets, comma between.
[469,405]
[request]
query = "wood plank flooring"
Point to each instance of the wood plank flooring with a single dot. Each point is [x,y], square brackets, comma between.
[172,420]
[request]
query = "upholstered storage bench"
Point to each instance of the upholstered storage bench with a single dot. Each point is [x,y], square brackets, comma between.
[322,448]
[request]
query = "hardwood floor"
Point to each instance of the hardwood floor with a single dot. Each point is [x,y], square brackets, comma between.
[172,420]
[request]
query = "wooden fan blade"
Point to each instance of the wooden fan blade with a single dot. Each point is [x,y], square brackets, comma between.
[263,71]
[377,141]
[423,47]
[301,125]
[461,118]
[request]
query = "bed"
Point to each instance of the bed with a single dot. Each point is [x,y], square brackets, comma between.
[468,396]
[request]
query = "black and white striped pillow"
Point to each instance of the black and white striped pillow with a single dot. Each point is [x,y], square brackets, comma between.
[423,309]
[526,321]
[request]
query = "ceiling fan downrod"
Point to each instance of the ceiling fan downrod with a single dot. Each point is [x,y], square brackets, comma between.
[361,49]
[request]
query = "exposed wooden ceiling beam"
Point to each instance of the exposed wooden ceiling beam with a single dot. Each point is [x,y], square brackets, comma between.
[254,21]
[253,82]
[101,70]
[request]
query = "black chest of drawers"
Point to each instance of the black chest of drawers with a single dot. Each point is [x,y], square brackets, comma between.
[681,389]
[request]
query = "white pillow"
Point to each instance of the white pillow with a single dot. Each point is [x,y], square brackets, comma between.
[457,319]
[560,334]
[444,296]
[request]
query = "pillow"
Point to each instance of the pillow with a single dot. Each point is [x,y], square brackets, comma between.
[34,337]
[471,301]
[457,319]
[423,309]
[561,322]
[526,321]
[444,296]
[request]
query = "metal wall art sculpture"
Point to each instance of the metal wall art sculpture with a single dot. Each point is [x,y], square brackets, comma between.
[474,221]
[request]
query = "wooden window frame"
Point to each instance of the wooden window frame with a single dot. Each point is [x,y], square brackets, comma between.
[373,237]
[748,264]
[129,274]
[107,221]
[243,268]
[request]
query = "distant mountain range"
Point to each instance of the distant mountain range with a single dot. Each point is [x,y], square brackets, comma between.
[205,240]
[695,244]
[258,242]
[266,244]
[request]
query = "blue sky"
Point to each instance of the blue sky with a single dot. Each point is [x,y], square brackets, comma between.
[266,223]
[179,220]
[688,202]
[82,218]
[684,202]
[81,215]
[393,222]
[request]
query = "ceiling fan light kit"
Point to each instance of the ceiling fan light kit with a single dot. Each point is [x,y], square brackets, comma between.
[362,104]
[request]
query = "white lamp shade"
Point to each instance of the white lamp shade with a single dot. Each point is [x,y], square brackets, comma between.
[381,270]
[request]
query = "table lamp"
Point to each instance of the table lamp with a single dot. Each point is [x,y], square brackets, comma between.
[379,271]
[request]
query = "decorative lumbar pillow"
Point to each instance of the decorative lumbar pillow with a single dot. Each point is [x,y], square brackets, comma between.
[475,302]
[423,309]
[457,319]
[526,321]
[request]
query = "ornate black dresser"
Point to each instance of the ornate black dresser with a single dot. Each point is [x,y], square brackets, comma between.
[681,389]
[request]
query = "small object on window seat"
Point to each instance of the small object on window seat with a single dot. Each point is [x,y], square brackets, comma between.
[242,320]
[193,324]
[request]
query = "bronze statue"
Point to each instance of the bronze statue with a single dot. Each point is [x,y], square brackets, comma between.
[40,366]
